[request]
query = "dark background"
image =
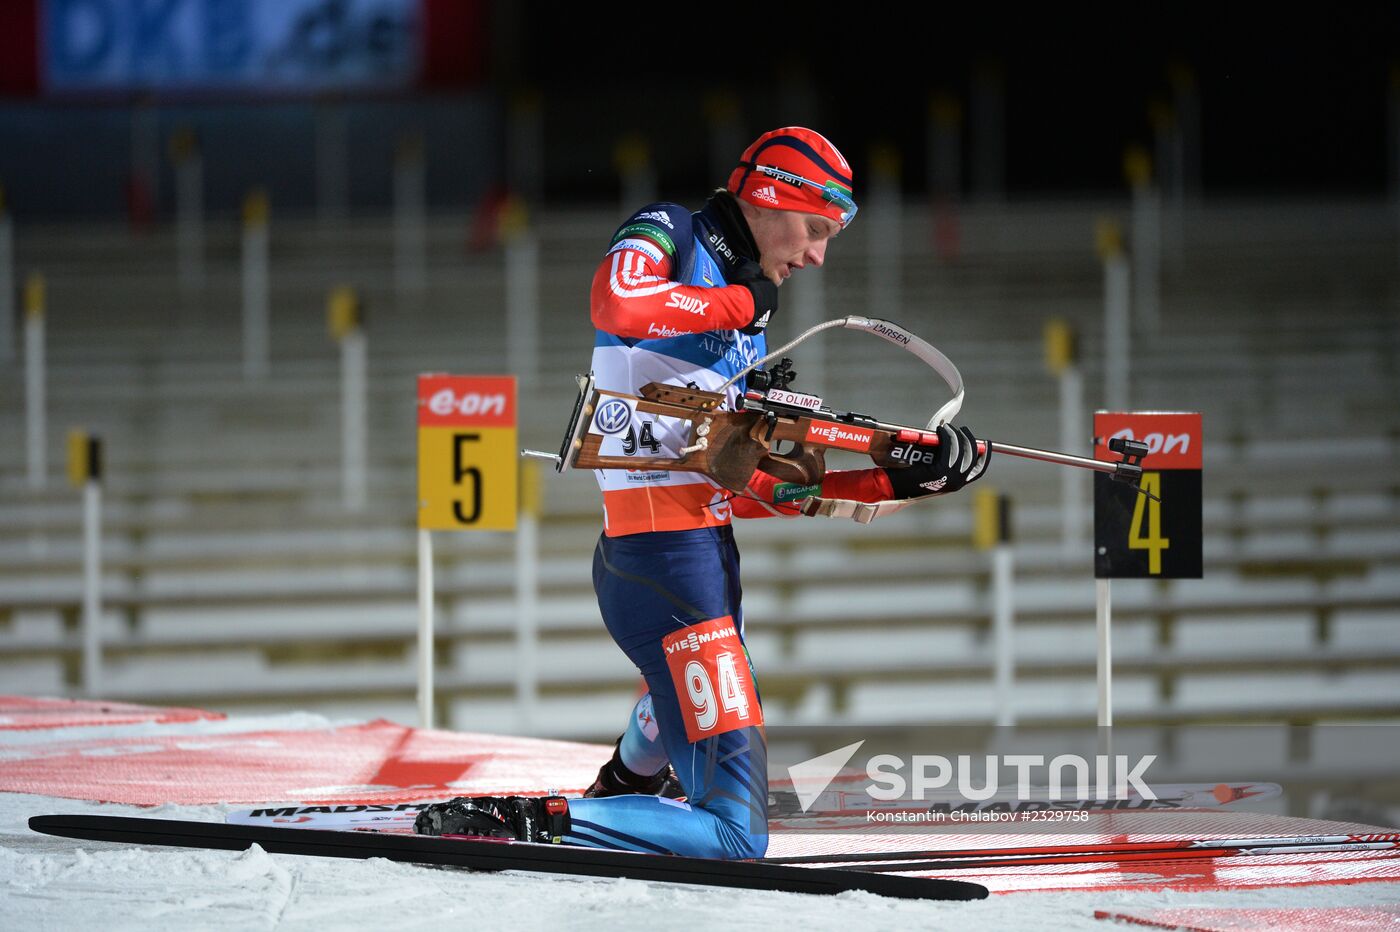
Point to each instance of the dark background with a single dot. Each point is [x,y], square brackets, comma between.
[1290,104]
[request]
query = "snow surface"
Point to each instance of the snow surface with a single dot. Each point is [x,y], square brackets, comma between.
[49,883]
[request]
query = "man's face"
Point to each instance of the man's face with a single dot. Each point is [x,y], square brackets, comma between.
[789,240]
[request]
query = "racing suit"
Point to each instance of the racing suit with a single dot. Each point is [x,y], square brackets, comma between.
[666,569]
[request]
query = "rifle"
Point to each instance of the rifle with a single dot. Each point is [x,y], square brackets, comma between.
[729,445]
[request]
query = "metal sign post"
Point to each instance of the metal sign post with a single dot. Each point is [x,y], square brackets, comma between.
[468,480]
[992,531]
[85,472]
[522,305]
[1117,300]
[189,209]
[1146,240]
[410,221]
[345,320]
[884,238]
[255,286]
[1062,359]
[7,284]
[527,586]
[35,403]
[1154,533]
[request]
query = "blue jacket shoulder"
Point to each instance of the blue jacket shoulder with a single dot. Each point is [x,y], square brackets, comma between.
[664,224]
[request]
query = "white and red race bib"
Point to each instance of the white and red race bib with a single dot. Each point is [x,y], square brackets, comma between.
[712,677]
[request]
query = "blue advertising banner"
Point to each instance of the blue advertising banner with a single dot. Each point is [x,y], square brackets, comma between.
[271,46]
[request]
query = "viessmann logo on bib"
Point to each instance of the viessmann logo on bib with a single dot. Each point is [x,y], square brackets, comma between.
[841,435]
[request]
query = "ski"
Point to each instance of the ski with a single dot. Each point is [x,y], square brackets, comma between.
[1091,852]
[493,855]
[358,817]
[1113,857]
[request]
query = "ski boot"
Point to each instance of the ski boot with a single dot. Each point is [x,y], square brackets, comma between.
[543,819]
[614,779]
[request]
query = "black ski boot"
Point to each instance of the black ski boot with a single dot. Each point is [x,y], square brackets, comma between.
[542,819]
[614,779]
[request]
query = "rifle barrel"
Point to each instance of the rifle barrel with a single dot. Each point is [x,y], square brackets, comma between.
[1049,456]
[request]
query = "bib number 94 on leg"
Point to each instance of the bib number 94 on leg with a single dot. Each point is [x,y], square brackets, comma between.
[714,684]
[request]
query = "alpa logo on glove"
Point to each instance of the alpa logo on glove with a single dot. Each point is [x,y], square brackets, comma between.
[912,455]
[795,168]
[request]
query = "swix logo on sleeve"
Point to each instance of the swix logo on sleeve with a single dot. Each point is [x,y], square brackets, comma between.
[714,683]
[841,435]
[687,303]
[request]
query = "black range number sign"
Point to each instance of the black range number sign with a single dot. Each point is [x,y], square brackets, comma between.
[1136,537]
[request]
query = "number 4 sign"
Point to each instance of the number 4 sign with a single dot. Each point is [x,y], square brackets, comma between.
[710,668]
[1137,537]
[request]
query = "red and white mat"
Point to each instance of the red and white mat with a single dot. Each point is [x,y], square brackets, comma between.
[28,712]
[1296,919]
[382,762]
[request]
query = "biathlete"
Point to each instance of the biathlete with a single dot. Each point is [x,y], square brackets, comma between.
[684,298]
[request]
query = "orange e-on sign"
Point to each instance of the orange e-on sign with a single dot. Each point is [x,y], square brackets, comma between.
[467,452]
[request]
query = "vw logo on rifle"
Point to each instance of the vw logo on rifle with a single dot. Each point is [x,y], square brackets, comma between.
[613,417]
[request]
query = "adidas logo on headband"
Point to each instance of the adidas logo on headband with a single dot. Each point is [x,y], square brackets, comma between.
[767,194]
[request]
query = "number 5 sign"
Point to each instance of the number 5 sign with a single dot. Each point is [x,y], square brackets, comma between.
[467,459]
[1136,537]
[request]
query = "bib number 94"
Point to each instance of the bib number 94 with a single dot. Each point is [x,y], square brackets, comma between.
[712,677]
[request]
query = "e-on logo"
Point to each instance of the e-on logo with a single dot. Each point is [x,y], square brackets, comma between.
[613,416]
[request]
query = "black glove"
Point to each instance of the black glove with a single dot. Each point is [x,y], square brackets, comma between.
[765,294]
[938,470]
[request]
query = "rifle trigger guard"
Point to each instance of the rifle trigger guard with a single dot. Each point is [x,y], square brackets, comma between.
[803,465]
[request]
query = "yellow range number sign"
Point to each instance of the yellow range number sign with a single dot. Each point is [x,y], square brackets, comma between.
[467,478]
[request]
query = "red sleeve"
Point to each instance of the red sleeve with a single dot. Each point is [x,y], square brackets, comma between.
[634,296]
[770,497]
